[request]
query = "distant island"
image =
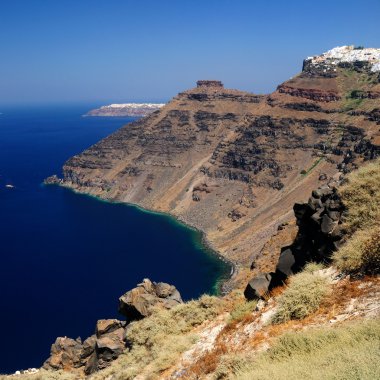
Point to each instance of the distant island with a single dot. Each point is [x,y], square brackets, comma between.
[126,109]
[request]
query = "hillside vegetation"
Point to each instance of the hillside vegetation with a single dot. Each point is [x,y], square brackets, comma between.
[361,195]
[322,324]
[347,353]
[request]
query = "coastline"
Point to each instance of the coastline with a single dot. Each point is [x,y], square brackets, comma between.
[220,287]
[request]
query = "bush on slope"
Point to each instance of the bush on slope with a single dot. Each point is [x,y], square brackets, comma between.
[361,196]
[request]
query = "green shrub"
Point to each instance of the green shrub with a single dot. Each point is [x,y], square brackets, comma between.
[242,310]
[356,94]
[312,267]
[302,297]
[232,364]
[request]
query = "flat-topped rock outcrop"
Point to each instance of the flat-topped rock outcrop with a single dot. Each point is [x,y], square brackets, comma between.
[209,83]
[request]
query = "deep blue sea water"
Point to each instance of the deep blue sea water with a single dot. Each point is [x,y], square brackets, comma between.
[65,258]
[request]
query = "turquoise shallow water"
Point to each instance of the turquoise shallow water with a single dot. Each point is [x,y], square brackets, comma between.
[65,257]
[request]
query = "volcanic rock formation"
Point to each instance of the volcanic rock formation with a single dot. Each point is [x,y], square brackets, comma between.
[109,340]
[320,233]
[141,301]
[232,163]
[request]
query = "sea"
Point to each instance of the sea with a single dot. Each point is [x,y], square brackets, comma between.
[65,258]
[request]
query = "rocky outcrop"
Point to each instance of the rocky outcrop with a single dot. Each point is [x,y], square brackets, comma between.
[65,353]
[320,233]
[210,84]
[106,345]
[258,287]
[109,340]
[374,115]
[320,225]
[205,94]
[141,301]
[360,94]
[95,353]
[53,180]
[309,93]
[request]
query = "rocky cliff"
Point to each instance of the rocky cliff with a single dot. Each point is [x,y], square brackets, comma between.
[232,163]
[110,341]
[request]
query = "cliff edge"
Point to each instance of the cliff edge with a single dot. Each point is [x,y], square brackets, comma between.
[232,163]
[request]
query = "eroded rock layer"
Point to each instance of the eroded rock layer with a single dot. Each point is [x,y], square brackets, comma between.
[232,163]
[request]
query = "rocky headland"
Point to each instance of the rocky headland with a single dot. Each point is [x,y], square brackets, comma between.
[126,109]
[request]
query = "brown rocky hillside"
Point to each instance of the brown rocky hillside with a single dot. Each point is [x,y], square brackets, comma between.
[232,163]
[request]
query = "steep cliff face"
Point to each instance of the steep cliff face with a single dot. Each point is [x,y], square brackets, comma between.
[232,163]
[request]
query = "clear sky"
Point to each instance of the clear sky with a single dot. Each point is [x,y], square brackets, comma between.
[124,50]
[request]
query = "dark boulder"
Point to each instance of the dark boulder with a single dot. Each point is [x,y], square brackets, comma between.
[327,224]
[319,223]
[289,263]
[302,210]
[314,203]
[322,192]
[258,287]
[286,262]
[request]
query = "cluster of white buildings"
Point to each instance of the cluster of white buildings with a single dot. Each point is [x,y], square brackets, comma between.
[135,105]
[349,54]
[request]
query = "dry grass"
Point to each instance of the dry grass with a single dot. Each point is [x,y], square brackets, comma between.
[302,297]
[361,195]
[241,311]
[158,341]
[361,253]
[209,362]
[349,352]
[371,252]
[45,375]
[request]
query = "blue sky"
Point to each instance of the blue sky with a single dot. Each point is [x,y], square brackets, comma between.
[122,50]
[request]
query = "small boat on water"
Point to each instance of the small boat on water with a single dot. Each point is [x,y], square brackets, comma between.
[9,186]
